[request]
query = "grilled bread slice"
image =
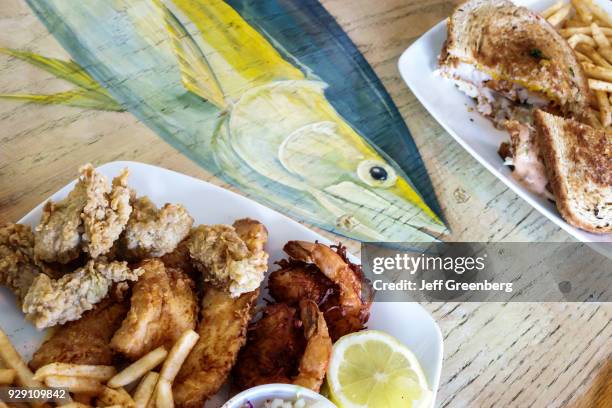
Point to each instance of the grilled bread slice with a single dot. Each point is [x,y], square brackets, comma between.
[515,46]
[578,161]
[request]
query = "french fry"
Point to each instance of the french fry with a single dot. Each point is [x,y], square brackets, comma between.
[594,119]
[593,55]
[144,391]
[606,53]
[572,22]
[177,355]
[600,13]
[98,372]
[605,111]
[583,58]
[576,39]
[599,36]
[597,85]
[79,385]
[138,368]
[557,19]
[23,376]
[163,394]
[7,376]
[583,11]
[119,396]
[597,72]
[553,9]
[569,31]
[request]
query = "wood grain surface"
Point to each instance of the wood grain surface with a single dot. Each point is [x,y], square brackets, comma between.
[496,355]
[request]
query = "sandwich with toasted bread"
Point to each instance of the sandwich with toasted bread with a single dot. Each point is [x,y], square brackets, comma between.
[578,163]
[512,61]
[525,77]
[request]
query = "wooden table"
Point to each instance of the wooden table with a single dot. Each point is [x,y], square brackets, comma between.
[496,355]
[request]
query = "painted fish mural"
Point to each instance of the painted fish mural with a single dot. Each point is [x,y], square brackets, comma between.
[220,82]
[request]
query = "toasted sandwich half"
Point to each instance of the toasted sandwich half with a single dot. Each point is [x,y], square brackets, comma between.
[511,60]
[578,162]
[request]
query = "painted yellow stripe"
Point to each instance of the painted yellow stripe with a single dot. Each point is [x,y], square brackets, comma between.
[240,57]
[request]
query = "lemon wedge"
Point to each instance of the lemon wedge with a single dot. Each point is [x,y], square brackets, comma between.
[373,369]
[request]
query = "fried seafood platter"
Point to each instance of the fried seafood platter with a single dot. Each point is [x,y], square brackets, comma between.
[144,307]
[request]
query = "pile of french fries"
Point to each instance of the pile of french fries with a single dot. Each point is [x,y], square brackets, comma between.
[588,30]
[103,384]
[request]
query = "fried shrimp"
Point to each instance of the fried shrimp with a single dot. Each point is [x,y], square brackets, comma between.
[283,348]
[314,362]
[296,281]
[325,276]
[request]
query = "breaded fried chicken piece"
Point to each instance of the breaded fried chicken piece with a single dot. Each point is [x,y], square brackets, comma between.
[49,302]
[223,329]
[92,216]
[225,259]
[152,232]
[181,307]
[85,341]
[106,213]
[163,306]
[17,268]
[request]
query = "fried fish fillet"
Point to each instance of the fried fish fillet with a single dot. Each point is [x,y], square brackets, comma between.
[163,306]
[17,268]
[85,341]
[92,216]
[106,213]
[153,232]
[223,329]
[49,302]
[58,236]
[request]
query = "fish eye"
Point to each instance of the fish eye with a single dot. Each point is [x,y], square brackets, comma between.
[376,173]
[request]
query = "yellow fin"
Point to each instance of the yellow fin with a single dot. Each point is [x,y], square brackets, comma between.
[240,57]
[81,98]
[196,74]
[67,70]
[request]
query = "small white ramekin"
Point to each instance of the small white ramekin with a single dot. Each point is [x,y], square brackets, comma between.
[262,393]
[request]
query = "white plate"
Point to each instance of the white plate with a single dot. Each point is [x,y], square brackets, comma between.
[209,204]
[449,107]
